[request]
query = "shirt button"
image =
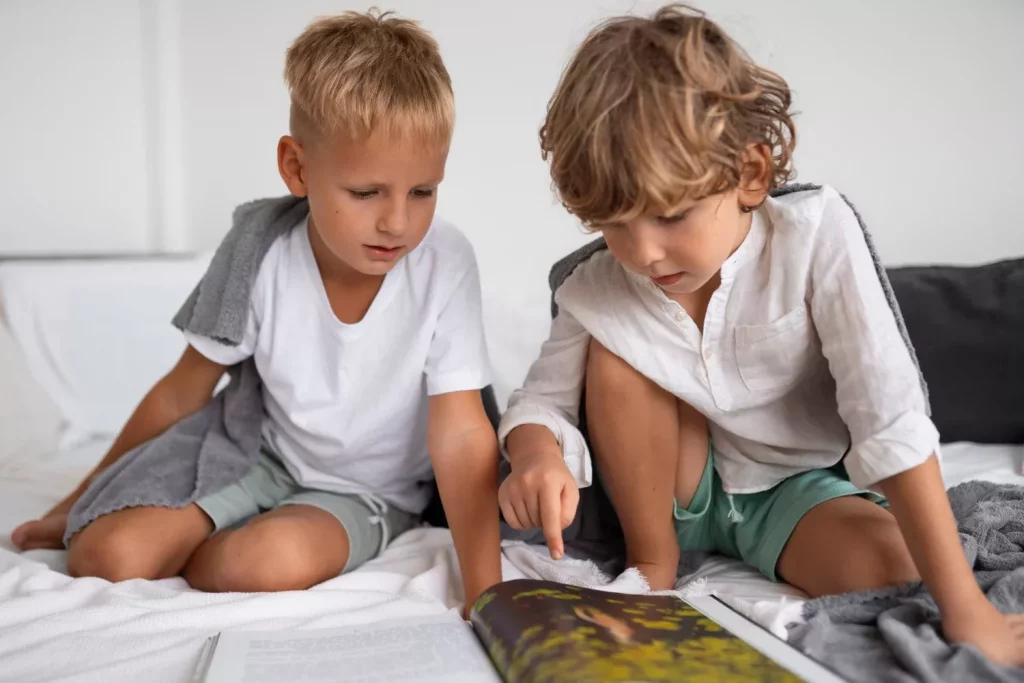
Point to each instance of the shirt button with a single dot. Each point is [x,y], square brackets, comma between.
[681,316]
[707,354]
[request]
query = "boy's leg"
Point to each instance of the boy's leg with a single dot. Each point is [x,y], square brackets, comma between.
[312,536]
[650,448]
[846,544]
[290,548]
[820,533]
[138,543]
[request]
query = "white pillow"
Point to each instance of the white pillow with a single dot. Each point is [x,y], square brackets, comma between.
[96,334]
[30,423]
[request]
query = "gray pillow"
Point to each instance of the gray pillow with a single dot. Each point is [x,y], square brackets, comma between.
[967,326]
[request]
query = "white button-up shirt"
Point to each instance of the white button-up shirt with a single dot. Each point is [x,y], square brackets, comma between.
[800,361]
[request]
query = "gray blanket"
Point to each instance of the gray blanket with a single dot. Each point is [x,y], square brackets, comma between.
[894,634]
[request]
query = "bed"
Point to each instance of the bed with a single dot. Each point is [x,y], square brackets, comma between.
[80,341]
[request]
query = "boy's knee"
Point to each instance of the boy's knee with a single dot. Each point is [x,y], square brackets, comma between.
[115,555]
[607,370]
[886,562]
[260,559]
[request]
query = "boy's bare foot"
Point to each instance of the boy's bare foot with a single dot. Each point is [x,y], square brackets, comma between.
[44,533]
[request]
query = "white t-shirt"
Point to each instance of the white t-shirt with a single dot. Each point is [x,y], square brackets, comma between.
[346,405]
[800,359]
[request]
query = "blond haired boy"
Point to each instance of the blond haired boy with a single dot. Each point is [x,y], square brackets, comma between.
[366,330]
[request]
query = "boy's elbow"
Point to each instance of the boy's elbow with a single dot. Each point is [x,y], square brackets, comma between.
[464,442]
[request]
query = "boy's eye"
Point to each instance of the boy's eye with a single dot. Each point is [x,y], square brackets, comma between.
[674,218]
[423,193]
[363,194]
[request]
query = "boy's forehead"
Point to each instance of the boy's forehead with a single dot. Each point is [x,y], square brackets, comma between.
[385,154]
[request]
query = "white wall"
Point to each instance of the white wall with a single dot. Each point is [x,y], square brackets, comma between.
[133,126]
[74,167]
[137,125]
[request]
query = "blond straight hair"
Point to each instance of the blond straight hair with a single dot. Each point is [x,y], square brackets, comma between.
[359,73]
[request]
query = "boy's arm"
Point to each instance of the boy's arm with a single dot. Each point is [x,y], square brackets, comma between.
[919,502]
[894,444]
[464,453]
[184,390]
[549,457]
[550,398]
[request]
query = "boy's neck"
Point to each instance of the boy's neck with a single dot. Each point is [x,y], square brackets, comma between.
[696,303]
[349,292]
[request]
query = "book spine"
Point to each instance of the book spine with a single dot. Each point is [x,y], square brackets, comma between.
[205,659]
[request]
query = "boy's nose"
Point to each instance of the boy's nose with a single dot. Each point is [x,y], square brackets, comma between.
[395,220]
[646,253]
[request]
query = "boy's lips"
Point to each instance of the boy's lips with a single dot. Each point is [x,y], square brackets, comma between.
[668,280]
[379,253]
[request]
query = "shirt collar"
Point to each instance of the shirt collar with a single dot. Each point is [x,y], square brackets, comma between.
[751,246]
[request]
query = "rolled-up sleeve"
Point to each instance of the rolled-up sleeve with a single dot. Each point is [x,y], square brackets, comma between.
[878,386]
[550,395]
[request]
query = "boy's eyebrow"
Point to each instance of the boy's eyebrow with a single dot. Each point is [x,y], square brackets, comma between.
[378,185]
[683,205]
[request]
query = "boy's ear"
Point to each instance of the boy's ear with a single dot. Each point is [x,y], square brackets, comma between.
[755,174]
[291,164]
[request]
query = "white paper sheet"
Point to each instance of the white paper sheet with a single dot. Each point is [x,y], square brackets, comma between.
[437,648]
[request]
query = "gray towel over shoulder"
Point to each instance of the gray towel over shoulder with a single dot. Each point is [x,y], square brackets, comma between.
[217,445]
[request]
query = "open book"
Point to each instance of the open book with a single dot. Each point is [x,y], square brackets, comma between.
[522,631]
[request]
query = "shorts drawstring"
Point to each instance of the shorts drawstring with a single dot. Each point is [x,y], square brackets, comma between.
[379,508]
[735,516]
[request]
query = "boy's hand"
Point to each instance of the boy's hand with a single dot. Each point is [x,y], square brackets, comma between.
[540,492]
[999,637]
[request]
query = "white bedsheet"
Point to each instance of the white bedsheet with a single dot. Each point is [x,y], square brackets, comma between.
[54,628]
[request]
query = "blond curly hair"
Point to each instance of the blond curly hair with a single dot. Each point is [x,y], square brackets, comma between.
[652,111]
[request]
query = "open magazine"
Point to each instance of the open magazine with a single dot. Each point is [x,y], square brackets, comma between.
[521,631]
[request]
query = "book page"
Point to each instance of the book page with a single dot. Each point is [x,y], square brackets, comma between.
[438,648]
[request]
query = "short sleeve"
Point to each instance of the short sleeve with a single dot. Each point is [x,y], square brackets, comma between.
[228,354]
[457,359]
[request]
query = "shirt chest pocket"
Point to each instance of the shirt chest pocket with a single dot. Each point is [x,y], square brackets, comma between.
[775,356]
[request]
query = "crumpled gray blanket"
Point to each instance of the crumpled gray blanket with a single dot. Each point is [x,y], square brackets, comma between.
[595,532]
[893,635]
[217,445]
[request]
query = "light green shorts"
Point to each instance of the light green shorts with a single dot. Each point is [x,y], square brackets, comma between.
[369,524]
[755,527]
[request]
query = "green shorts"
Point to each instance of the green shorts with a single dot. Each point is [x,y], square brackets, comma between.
[755,527]
[369,523]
